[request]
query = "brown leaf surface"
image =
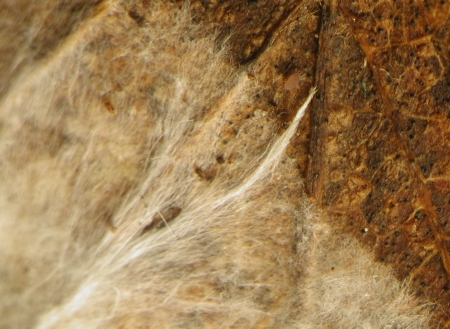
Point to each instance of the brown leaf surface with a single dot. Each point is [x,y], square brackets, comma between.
[377,142]
[380,152]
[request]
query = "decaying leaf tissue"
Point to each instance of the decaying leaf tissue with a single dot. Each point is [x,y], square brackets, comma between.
[224,164]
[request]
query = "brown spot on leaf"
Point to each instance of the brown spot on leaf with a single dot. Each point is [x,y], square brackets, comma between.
[208,172]
[136,16]
[161,218]
[293,81]
[108,104]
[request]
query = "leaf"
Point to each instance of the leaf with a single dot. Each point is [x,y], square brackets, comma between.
[377,142]
[380,151]
[373,149]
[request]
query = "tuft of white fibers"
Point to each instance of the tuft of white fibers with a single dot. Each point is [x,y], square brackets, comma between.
[127,201]
[345,288]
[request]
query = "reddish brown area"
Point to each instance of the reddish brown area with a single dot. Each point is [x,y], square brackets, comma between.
[380,125]
[377,142]
[374,147]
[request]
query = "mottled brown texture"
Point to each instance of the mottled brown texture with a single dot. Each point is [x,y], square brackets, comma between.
[379,121]
[276,42]
[380,152]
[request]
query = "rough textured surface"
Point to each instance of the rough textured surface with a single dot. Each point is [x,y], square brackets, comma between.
[380,135]
[149,177]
